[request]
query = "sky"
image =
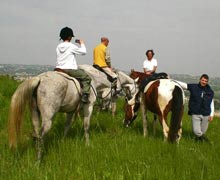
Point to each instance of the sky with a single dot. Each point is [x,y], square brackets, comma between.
[184,34]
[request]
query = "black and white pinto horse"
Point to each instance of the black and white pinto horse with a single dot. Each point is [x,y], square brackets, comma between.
[160,97]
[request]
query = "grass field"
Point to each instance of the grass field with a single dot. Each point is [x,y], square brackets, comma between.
[115,152]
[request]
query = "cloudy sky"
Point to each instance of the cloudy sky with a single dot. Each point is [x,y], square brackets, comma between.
[185,35]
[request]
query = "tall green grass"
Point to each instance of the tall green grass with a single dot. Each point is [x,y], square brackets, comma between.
[115,152]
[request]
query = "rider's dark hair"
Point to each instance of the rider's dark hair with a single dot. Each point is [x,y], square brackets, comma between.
[65,33]
[150,50]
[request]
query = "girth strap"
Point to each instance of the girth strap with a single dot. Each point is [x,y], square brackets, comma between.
[59,70]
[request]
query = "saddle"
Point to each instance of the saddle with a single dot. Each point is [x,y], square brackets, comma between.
[110,78]
[60,70]
[68,76]
[155,76]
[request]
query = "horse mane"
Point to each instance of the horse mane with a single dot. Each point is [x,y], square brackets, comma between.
[128,78]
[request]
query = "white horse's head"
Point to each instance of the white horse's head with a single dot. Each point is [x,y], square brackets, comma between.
[129,85]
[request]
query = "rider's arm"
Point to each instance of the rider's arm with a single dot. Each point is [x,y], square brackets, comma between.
[182,84]
[150,71]
[154,70]
[79,50]
[145,70]
[212,108]
[107,57]
[155,66]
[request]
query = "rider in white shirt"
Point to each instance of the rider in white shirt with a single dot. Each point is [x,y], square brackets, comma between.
[150,64]
[66,60]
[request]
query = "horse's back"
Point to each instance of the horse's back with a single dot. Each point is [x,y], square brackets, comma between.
[168,86]
[58,91]
[165,86]
[99,78]
[161,92]
[89,68]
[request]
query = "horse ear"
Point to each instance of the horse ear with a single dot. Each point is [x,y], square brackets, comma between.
[136,80]
[132,70]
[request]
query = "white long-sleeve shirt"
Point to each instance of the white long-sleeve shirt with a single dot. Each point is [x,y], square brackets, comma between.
[185,87]
[66,52]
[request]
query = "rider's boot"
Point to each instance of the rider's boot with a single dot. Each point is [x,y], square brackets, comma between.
[85,98]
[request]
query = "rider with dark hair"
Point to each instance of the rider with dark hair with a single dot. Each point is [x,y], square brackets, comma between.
[66,60]
[150,64]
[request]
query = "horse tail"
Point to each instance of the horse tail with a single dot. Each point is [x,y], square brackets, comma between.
[177,113]
[20,98]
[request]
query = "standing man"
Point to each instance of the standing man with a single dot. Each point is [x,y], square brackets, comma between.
[102,60]
[201,106]
[150,64]
[66,60]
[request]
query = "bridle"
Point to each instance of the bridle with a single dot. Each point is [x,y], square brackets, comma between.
[135,85]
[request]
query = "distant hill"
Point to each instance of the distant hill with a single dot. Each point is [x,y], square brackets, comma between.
[33,70]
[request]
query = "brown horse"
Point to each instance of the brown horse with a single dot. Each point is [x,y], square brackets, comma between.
[160,97]
[140,75]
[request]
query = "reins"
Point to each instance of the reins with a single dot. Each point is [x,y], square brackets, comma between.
[134,83]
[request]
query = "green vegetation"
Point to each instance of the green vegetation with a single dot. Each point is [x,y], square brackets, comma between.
[115,152]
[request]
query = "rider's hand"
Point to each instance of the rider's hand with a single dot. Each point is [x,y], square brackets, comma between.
[81,41]
[148,72]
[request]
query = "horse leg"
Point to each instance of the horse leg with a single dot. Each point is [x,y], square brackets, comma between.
[154,124]
[88,108]
[113,103]
[165,127]
[144,118]
[45,127]
[35,119]
[69,120]
[179,133]
[113,109]
[36,124]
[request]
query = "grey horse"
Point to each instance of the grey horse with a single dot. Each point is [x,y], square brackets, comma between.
[47,94]
[104,90]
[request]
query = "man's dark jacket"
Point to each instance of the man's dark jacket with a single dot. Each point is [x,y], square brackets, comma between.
[200,99]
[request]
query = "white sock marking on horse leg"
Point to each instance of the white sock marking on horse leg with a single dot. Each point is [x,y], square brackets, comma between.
[144,118]
[165,129]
